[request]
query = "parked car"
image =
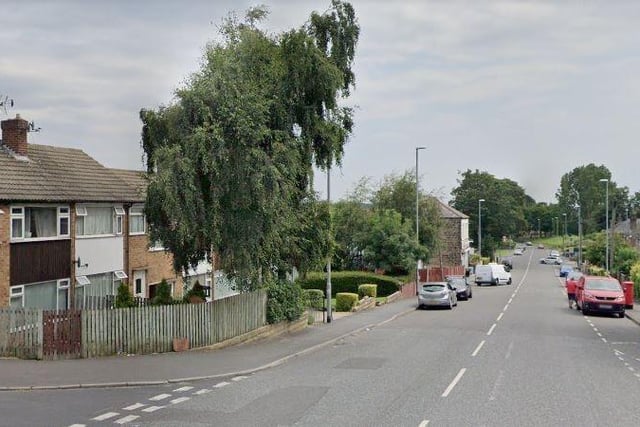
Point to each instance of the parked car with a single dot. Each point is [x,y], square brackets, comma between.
[438,294]
[462,287]
[553,252]
[529,244]
[518,251]
[600,294]
[540,246]
[549,259]
[507,262]
[565,269]
[493,274]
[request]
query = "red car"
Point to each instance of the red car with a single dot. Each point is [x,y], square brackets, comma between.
[600,294]
[571,282]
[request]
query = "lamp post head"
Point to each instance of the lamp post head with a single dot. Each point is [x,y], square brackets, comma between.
[604,179]
[421,148]
[480,200]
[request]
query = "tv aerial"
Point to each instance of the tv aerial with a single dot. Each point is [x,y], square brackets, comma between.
[33,127]
[6,102]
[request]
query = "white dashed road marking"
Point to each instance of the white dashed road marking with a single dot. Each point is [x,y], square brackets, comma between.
[203,391]
[181,389]
[475,352]
[126,419]
[134,407]
[78,425]
[424,423]
[239,378]
[159,397]
[454,382]
[499,317]
[222,384]
[179,400]
[491,329]
[105,416]
[152,408]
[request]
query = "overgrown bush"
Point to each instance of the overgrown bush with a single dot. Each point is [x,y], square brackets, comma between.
[348,281]
[124,299]
[285,301]
[367,290]
[163,294]
[635,278]
[196,291]
[345,301]
[314,298]
[594,270]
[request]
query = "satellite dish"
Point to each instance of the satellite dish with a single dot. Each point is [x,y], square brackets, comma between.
[5,102]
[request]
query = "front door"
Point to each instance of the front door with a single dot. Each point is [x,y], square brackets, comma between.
[139,283]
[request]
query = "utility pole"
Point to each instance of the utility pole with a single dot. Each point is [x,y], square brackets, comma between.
[329,308]
[418,216]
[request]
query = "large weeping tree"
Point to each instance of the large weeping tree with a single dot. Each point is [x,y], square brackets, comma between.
[231,160]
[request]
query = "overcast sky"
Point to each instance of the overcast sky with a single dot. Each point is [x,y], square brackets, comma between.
[523,90]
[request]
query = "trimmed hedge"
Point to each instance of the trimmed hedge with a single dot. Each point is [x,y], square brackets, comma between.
[315,298]
[285,301]
[367,290]
[345,301]
[348,281]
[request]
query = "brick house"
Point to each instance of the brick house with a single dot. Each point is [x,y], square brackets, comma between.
[71,230]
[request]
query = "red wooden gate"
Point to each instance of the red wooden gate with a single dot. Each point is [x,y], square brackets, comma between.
[61,334]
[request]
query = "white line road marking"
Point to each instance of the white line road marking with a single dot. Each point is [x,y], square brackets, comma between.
[637,375]
[152,408]
[513,295]
[621,358]
[203,391]
[126,419]
[510,300]
[134,407]
[603,339]
[491,329]
[78,425]
[179,400]
[181,389]
[630,368]
[475,352]
[239,378]
[618,352]
[505,307]
[499,317]
[424,423]
[595,329]
[509,349]
[160,397]
[497,384]
[454,382]
[105,416]
[599,334]
[220,385]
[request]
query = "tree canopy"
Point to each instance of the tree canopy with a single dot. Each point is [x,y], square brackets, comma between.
[231,161]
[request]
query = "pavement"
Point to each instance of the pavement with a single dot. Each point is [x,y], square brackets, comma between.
[198,364]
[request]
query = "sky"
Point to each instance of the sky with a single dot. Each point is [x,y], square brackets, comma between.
[523,90]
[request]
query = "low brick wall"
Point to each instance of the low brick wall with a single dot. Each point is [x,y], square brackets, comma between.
[364,304]
[267,331]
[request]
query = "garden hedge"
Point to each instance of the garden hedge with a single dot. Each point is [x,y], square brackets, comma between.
[367,290]
[315,298]
[348,281]
[345,301]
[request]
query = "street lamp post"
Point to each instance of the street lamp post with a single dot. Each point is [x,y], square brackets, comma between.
[606,216]
[564,233]
[579,238]
[555,227]
[480,228]
[538,228]
[418,217]
[329,314]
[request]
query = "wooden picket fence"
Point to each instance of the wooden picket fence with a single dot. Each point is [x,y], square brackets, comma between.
[137,330]
[21,333]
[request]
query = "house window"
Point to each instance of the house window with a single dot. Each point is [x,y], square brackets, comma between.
[63,221]
[39,222]
[98,221]
[136,221]
[156,246]
[63,294]
[17,297]
[119,219]
[17,223]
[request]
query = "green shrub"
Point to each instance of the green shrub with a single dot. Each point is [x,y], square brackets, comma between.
[197,291]
[367,290]
[348,281]
[594,270]
[315,298]
[285,301]
[163,294]
[124,298]
[635,278]
[345,301]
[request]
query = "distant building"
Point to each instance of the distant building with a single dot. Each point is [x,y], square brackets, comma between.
[454,244]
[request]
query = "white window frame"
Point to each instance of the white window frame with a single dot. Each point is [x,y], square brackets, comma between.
[19,293]
[61,215]
[81,210]
[137,211]
[18,212]
[119,274]
[63,284]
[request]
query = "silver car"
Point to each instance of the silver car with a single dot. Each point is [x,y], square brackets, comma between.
[437,294]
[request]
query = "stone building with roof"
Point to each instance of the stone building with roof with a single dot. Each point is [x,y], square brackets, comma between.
[454,243]
[71,230]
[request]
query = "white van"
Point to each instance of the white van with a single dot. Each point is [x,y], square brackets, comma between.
[493,274]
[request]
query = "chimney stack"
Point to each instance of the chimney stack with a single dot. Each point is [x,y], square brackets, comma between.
[14,134]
